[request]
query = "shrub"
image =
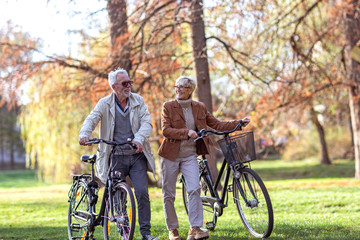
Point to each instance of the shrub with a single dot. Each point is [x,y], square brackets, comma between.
[339,143]
[302,146]
[307,144]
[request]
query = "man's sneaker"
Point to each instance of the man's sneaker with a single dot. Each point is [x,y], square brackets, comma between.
[174,235]
[149,237]
[197,233]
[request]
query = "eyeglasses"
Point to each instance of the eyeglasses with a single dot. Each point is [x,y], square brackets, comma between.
[180,87]
[126,83]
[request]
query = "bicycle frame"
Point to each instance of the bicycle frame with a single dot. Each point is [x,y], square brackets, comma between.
[236,174]
[95,219]
[226,187]
[82,215]
[225,169]
[249,192]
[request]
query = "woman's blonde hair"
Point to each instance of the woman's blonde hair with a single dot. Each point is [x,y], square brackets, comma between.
[186,81]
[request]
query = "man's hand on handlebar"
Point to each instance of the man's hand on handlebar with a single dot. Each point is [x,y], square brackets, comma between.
[84,140]
[138,146]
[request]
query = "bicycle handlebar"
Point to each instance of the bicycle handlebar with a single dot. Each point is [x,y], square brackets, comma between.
[203,132]
[99,140]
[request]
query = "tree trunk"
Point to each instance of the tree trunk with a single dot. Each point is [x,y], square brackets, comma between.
[2,153]
[320,129]
[354,102]
[351,151]
[202,68]
[119,36]
[353,77]
[12,155]
[200,54]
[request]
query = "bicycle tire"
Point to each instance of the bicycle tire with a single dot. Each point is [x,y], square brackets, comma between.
[122,225]
[257,213]
[78,213]
[209,218]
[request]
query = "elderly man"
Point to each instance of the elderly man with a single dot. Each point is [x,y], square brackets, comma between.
[124,115]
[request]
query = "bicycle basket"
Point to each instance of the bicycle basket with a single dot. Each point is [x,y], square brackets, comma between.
[239,148]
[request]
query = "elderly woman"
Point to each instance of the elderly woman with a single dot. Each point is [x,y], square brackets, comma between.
[180,119]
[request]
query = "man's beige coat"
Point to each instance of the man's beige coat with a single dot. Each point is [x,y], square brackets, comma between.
[141,126]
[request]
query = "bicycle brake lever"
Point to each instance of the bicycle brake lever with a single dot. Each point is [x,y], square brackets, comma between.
[202,136]
[133,145]
[93,140]
[197,139]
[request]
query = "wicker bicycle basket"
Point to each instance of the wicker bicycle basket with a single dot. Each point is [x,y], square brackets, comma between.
[239,148]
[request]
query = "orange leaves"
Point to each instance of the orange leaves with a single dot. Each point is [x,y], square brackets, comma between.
[16,64]
[120,41]
[306,93]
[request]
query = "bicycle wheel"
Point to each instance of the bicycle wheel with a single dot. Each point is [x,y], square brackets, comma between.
[78,213]
[210,218]
[120,223]
[256,211]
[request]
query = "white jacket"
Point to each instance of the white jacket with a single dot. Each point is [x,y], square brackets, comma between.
[141,126]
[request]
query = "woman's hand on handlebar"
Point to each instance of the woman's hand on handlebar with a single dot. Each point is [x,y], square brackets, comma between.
[203,132]
[245,121]
[192,134]
[84,140]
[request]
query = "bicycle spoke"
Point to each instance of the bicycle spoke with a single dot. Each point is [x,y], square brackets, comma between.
[120,223]
[254,206]
[78,212]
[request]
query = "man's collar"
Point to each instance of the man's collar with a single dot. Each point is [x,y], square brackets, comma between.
[118,103]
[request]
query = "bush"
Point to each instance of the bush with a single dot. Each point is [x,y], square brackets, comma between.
[339,143]
[302,146]
[307,144]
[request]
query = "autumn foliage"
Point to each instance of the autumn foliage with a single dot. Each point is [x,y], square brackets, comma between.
[277,62]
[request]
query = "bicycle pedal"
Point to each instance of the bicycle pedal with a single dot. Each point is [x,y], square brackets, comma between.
[210,225]
[230,188]
[75,227]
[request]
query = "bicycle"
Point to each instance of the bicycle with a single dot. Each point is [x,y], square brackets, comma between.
[249,192]
[117,212]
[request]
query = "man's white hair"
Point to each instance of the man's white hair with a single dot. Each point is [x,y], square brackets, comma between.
[113,74]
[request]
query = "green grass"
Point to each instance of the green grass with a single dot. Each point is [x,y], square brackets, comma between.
[321,203]
[305,169]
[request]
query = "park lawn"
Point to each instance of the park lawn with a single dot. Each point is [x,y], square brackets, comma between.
[310,207]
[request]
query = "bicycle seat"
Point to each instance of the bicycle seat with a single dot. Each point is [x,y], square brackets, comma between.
[88,158]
